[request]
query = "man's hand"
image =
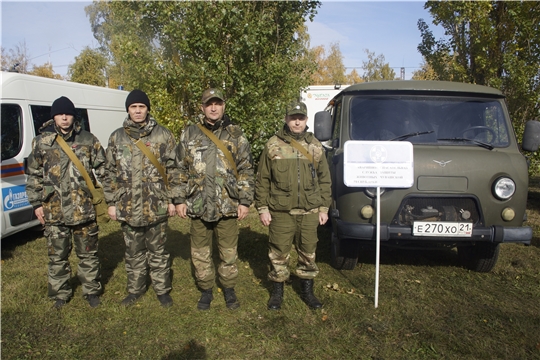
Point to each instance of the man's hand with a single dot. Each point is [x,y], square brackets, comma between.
[181,210]
[40,215]
[323,218]
[265,218]
[243,211]
[171,210]
[112,212]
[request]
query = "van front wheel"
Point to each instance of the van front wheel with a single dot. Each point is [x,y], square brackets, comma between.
[480,257]
[343,253]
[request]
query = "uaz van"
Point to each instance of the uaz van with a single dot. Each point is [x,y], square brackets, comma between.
[470,178]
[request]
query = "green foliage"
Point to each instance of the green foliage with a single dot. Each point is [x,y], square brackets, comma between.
[494,43]
[255,51]
[45,70]
[89,68]
[376,69]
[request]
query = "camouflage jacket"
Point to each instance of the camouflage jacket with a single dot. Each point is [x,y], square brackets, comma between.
[55,183]
[133,184]
[209,186]
[286,180]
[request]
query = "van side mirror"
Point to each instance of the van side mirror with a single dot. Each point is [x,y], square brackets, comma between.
[323,126]
[531,136]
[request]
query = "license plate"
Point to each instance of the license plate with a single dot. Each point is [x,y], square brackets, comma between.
[442,228]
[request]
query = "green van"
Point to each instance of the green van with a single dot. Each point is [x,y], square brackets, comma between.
[469,174]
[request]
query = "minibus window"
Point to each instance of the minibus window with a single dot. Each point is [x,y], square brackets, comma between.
[42,114]
[11,130]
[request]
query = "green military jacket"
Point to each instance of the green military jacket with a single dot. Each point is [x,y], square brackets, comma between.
[133,184]
[55,183]
[209,186]
[287,180]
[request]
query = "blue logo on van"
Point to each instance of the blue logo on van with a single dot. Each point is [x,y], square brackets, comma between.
[14,197]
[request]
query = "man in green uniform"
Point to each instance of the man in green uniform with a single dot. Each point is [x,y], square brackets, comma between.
[292,195]
[138,190]
[217,189]
[63,202]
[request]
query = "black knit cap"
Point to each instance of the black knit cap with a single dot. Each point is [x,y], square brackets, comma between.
[62,105]
[137,97]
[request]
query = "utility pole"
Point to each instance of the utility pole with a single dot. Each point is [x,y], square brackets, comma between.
[402,75]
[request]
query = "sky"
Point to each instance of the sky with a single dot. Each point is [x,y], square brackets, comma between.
[58,31]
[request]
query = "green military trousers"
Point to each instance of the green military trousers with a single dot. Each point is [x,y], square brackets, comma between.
[85,239]
[145,249]
[226,233]
[285,229]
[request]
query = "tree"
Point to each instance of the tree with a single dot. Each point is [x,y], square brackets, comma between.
[17,59]
[354,78]
[330,69]
[494,43]
[425,72]
[255,51]
[45,70]
[90,67]
[376,69]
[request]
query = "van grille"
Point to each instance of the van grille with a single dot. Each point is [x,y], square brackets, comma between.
[438,209]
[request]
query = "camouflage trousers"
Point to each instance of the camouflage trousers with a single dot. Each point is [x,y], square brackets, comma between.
[85,239]
[145,249]
[226,233]
[284,230]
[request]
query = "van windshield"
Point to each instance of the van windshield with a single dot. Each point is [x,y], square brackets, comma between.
[441,120]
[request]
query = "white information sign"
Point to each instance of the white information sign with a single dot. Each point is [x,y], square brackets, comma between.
[387,164]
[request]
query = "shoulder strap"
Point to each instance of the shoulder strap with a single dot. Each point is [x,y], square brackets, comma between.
[221,146]
[153,159]
[295,144]
[75,161]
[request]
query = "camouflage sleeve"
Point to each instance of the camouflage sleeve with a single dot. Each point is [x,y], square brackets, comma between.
[244,165]
[34,170]
[172,170]
[262,183]
[182,165]
[109,180]
[325,183]
[98,160]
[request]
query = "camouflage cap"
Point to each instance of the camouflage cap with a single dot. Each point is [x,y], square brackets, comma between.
[297,107]
[212,94]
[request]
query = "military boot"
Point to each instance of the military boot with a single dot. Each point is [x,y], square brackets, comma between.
[276,297]
[230,299]
[205,300]
[307,294]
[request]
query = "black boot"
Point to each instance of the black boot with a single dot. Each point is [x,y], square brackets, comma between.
[205,300]
[230,299]
[277,297]
[307,294]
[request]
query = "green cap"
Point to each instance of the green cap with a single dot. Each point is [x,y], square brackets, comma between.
[209,94]
[297,107]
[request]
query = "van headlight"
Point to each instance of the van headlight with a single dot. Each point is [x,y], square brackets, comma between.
[372,192]
[504,188]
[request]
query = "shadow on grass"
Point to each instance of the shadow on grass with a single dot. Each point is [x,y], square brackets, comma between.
[10,243]
[192,350]
[253,248]
[111,253]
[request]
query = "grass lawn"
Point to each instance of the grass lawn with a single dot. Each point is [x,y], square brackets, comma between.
[429,306]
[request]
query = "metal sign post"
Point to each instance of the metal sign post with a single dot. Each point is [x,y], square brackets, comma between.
[387,164]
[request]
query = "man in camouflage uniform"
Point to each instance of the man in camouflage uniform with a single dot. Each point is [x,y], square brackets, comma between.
[215,194]
[138,197]
[63,202]
[292,195]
